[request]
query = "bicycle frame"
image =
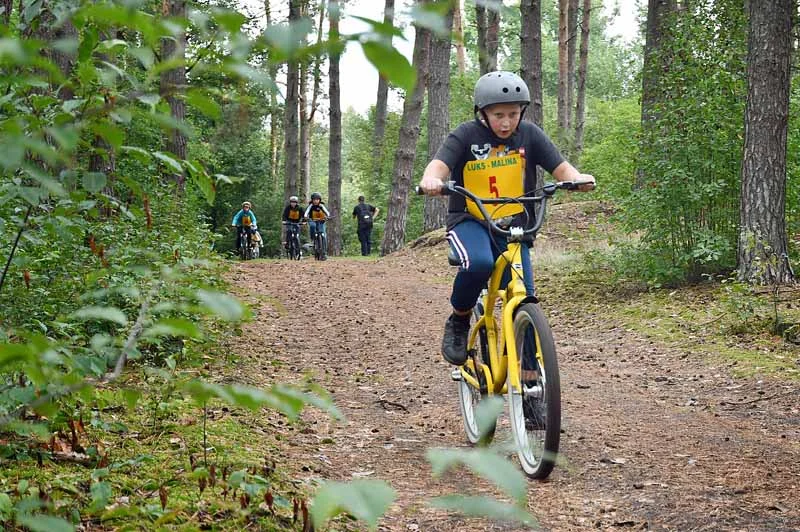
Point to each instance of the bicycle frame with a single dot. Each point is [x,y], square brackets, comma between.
[517,258]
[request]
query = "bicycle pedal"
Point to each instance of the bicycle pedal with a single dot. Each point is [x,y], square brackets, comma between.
[456,375]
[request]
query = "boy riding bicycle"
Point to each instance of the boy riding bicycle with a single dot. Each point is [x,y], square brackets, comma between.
[292,215]
[316,214]
[245,222]
[494,155]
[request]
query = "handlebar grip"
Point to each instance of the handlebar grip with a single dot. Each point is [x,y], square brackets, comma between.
[444,191]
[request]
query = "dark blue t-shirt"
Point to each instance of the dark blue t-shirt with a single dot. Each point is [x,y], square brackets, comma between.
[472,140]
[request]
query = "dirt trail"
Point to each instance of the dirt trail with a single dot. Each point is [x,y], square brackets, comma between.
[654,439]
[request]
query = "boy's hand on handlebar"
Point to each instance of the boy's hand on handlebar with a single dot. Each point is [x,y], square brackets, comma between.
[431,186]
[587,182]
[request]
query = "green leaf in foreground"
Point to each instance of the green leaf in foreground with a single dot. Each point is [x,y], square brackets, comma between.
[391,64]
[173,327]
[366,500]
[282,398]
[484,507]
[222,305]
[486,416]
[485,463]
[44,523]
[112,314]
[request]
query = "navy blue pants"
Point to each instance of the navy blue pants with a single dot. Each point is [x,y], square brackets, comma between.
[477,250]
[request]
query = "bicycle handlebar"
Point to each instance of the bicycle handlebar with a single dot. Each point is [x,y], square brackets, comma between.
[547,191]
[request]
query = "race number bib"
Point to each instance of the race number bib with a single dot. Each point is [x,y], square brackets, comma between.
[496,177]
[246,221]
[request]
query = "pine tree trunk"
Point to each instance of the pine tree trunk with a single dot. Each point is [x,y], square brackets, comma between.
[572,48]
[530,45]
[395,228]
[8,6]
[580,105]
[304,166]
[290,120]
[458,30]
[335,142]
[762,251]
[563,72]
[656,64]
[488,26]
[173,83]
[435,210]
[492,37]
[274,128]
[381,110]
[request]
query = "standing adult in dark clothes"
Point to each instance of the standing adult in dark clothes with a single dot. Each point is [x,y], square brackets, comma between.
[365,214]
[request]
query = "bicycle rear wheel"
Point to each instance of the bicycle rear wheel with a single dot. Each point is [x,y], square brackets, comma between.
[469,397]
[535,412]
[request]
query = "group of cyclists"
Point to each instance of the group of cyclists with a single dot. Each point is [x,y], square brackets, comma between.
[315,214]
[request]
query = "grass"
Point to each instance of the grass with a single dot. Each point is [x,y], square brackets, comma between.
[124,456]
[729,324]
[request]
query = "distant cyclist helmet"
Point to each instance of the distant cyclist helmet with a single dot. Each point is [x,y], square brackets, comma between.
[500,87]
[316,195]
[293,198]
[246,204]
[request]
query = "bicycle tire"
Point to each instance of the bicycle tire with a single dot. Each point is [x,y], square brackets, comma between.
[535,414]
[469,397]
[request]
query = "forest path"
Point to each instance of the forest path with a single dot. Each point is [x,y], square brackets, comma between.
[653,438]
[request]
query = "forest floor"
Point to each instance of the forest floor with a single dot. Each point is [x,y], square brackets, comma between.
[664,427]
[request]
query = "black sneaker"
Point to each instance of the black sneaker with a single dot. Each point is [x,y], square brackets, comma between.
[535,415]
[454,340]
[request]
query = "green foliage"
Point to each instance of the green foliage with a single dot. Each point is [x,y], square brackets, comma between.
[610,153]
[687,196]
[366,500]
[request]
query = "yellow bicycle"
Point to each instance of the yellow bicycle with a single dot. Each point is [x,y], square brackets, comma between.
[511,349]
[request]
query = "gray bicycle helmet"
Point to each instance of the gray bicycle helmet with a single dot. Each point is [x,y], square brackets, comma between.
[316,195]
[293,198]
[500,87]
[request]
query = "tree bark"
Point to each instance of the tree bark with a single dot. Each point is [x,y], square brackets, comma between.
[274,125]
[531,56]
[381,109]
[395,228]
[458,29]
[173,83]
[563,72]
[335,142]
[656,64]
[580,105]
[304,166]
[572,48]
[488,26]
[8,6]
[308,108]
[763,246]
[290,119]
[435,210]
[530,45]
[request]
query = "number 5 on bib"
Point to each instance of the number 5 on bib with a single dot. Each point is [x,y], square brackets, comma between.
[497,177]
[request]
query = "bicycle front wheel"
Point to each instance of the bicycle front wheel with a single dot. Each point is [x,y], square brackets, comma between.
[469,397]
[535,405]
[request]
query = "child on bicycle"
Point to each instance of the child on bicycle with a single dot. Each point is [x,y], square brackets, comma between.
[497,132]
[245,222]
[292,214]
[316,214]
